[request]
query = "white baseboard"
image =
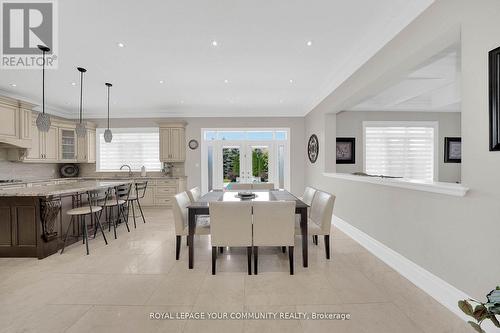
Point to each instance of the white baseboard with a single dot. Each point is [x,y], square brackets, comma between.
[440,290]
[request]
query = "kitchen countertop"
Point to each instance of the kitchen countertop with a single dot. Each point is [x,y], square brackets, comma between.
[111,178]
[62,189]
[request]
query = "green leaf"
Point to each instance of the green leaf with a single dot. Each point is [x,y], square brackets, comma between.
[494,320]
[498,288]
[480,312]
[465,307]
[476,327]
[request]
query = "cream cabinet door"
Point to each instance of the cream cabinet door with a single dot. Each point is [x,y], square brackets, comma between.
[34,153]
[51,145]
[149,199]
[177,144]
[67,145]
[165,144]
[91,141]
[9,121]
[81,148]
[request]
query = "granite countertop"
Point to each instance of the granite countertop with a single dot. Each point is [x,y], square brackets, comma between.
[77,179]
[62,189]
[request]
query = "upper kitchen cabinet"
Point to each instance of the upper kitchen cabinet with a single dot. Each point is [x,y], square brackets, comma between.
[86,151]
[15,123]
[67,144]
[172,142]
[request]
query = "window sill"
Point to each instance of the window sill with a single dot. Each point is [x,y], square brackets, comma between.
[452,189]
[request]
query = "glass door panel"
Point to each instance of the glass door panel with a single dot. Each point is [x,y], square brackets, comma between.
[260,164]
[231,162]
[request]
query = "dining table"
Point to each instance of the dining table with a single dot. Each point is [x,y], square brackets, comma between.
[202,207]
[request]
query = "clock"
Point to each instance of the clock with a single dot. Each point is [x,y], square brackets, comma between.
[313,148]
[193,144]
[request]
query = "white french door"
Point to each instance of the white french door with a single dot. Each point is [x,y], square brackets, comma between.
[244,161]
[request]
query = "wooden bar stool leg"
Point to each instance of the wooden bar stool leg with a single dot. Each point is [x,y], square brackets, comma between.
[133,213]
[140,208]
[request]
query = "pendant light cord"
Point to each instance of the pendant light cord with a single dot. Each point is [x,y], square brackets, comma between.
[108,106]
[81,95]
[43,83]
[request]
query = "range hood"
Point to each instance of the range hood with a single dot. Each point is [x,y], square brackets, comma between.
[14,143]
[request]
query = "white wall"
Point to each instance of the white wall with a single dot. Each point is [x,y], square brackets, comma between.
[193,131]
[350,124]
[454,238]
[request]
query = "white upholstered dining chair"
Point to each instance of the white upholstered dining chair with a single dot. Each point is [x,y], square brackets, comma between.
[240,187]
[181,202]
[308,196]
[262,186]
[320,218]
[231,225]
[194,194]
[273,225]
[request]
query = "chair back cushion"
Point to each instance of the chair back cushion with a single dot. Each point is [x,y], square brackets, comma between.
[240,186]
[180,212]
[194,194]
[322,210]
[273,223]
[308,195]
[231,223]
[263,186]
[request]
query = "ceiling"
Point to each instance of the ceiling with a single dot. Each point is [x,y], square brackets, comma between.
[433,86]
[262,64]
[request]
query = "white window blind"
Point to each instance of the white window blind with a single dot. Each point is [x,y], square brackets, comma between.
[400,150]
[133,146]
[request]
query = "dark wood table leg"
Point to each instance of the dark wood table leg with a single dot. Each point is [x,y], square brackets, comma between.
[303,227]
[191,230]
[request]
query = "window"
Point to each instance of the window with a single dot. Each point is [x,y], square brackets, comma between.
[133,146]
[401,149]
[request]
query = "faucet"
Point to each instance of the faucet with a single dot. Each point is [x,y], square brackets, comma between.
[129,169]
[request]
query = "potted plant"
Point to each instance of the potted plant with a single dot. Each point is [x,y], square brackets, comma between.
[482,311]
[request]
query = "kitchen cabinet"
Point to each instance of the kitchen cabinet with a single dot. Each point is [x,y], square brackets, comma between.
[172,142]
[44,145]
[15,122]
[67,144]
[86,151]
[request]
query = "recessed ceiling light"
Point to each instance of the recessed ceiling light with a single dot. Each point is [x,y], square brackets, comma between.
[73,84]
[120,44]
[291,81]
[13,85]
[215,43]
[226,81]
[309,43]
[162,82]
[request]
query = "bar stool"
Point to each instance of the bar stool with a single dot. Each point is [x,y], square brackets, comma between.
[116,201]
[80,213]
[140,191]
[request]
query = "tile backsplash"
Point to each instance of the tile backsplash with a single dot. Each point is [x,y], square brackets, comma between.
[27,171]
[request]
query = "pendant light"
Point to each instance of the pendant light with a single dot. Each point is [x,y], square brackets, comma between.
[81,131]
[108,136]
[43,120]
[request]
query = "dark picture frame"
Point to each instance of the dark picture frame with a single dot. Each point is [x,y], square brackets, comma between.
[494,98]
[452,150]
[313,148]
[346,150]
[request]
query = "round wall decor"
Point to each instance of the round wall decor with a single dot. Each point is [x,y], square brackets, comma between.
[313,148]
[193,144]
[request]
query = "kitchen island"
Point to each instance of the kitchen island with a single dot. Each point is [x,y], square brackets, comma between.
[32,219]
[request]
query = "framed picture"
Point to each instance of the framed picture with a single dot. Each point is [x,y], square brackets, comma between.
[494,96]
[346,150]
[452,150]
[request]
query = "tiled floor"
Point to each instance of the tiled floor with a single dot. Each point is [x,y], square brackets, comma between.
[117,286]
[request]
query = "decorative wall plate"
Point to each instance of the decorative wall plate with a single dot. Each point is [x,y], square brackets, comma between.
[313,148]
[193,144]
